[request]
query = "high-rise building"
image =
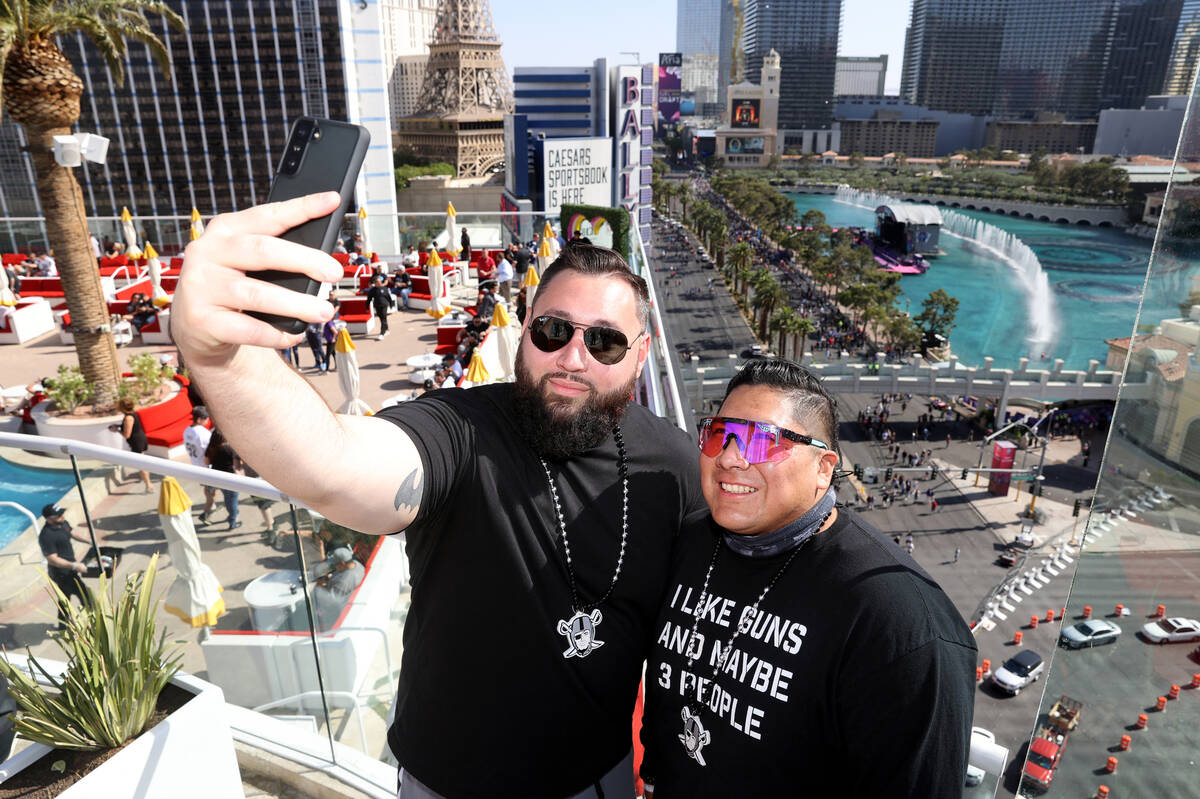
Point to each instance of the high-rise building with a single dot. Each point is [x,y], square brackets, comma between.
[1016,58]
[1185,52]
[1054,57]
[1143,35]
[860,75]
[407,31]
[731,57]
[210,136]
[805,33]
[563,102]
[951,53]
[698,26]
[698,38]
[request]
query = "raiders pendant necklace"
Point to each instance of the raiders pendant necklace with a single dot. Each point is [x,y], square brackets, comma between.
[580,628]
[694,737]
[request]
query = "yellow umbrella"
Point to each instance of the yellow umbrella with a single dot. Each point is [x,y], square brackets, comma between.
[551,239]
[452,243]
[348,378]
[131,247]
[158,294]
[477,373]
[195,596]
[439,303]
[362,231]
[531,281]
[197,225]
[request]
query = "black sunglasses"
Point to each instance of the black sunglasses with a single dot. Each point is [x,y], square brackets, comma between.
[606,345]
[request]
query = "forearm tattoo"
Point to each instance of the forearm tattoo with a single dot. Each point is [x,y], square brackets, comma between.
[408,496]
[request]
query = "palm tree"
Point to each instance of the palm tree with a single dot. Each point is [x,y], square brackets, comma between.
[801,327]
[781,322]
[740,257]
[41,92]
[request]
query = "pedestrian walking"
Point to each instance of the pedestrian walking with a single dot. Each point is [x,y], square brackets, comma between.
[957,552]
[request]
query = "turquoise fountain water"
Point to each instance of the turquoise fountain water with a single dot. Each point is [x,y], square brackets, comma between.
[1085,288]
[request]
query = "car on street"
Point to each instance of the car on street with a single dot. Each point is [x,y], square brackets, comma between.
[1093,632]
[1172,631]
[974,773]
[1008,557]
[1019,671]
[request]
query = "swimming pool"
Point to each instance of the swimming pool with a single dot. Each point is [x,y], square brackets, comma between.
[32,488]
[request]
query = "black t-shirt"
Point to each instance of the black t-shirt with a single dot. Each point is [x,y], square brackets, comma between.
[487,704]
[55,539]
[856,677]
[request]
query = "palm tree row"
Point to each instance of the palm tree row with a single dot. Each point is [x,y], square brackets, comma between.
[41,91]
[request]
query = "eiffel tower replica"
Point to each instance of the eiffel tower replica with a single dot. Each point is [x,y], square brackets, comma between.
[464,95]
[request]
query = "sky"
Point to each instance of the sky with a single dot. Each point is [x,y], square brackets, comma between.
[535,36]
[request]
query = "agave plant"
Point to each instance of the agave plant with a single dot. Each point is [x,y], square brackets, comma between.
[40,91]
[115,670]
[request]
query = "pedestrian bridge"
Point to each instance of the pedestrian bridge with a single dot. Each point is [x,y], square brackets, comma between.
[951,378]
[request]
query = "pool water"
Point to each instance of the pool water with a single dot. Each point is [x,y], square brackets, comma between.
[33,489]
[1096,278]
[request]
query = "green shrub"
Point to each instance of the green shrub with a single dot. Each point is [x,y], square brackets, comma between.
[70,389]
[148,375]
[114,674]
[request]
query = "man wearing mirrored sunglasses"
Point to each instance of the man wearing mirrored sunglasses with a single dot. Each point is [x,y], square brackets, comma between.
[539,515]
[798,651]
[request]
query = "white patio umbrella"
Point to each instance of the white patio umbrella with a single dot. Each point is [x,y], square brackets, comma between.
[506,330]
[195,596]
[452,240]
[158,294]
[7,298]
[347,370]
[439,301]
[197,225]
[362,232]
[131,245]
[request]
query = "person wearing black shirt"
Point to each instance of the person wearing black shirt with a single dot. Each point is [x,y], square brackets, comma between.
[521,260]
[381,299]
[797,649]
[538,515]
[64,570]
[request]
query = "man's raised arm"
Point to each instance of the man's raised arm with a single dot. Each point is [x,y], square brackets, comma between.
[362,472]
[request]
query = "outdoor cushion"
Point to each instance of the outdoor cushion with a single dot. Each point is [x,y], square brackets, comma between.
[165,422]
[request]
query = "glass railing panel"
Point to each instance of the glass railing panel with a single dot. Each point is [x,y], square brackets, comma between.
[1141,550]
[233,588]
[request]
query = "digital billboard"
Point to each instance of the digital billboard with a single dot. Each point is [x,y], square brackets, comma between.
[670,83]
[745,145]
[744,114]
[576,171]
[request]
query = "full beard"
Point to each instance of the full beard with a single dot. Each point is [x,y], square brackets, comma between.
[557,428]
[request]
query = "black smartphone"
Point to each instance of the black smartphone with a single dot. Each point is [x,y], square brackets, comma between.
[321,155]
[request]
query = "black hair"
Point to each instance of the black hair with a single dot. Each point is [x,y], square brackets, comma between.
[809,400]
[588,259]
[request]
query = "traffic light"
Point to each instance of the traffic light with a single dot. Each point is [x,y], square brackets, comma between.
[964,473]
[1078,505]
[887,474]
[858,472]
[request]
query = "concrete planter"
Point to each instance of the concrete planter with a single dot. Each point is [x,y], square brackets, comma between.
[92,431]
[189,754]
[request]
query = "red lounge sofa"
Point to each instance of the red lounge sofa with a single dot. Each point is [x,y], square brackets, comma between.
[165,423]
[357,314]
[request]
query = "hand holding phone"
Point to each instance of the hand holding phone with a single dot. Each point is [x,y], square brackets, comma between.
[320,155]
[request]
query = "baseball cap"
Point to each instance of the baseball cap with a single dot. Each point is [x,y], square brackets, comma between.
[52,510]
[336,556]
